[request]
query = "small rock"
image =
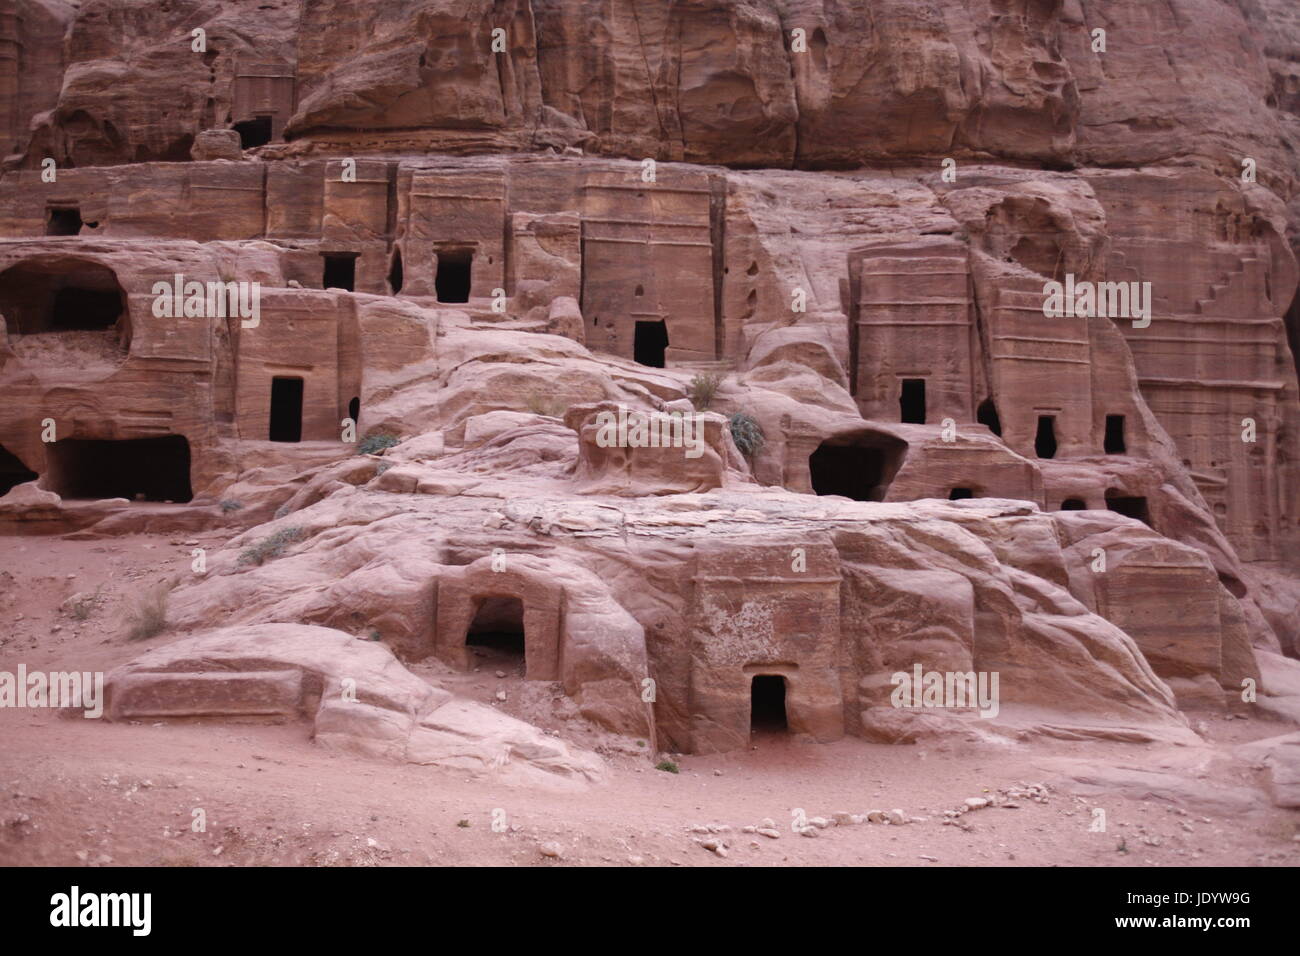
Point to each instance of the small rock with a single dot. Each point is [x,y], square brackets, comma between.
[772,833]
[552,850]
[976,803]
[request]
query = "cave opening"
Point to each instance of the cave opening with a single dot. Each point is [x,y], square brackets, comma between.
[960,494]
[395,272]
[253,132]
[12,471]
[452,280]
[354,410]
[650,344]
[1074,504]
[286,410]
[1130,506]
[987,415]
[911,401]
[151,469]
[767,712]
[60,294]
[858,467]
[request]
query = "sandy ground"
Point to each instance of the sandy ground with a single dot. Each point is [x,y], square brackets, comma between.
[86,792]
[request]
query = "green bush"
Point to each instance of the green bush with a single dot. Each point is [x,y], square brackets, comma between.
[703,389]
[667,766]
[272,546]
[230,504]
[747,434]
[374,444]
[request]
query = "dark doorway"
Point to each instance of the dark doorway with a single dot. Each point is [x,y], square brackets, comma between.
[63,221]
[156,468]
[452,283]
[987,415]
[286,409]
[354,411]
[497,631]
[254,132]
[650,344]
[1074,504]
[340,271]
[957,494]
[395,272]
[858,467]
[911,401]
[1129,507]
[767,704]
[1045,440]
[1115,444]
[12,471]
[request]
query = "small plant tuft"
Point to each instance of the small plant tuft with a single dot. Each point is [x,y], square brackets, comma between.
[548,406]
[272,546]
[703,389]
[230,504]
[747,434]
[374,444]
[149,616]
[463,824]
[667,766]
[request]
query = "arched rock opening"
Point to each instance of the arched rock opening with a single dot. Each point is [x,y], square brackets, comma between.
[859,465]
[64,294]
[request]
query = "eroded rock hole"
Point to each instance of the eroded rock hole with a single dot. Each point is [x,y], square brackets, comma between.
[59,295]
[1129,506]
[987,415]
[395,272]
[860,469]
[254,132]
[958,494]
[149,469]
[1074,504]
[767,704]
[12,471]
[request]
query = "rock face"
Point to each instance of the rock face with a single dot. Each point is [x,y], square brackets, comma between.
[357,695]
[965,333]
